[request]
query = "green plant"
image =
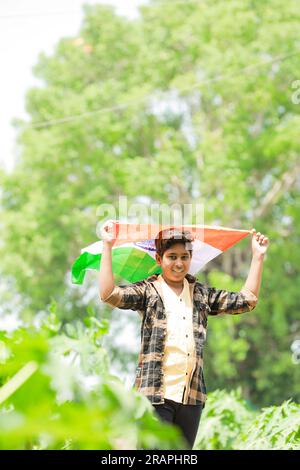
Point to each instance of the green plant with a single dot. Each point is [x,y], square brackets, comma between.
[276,428]
[57,393]
[229,423]
[224,417]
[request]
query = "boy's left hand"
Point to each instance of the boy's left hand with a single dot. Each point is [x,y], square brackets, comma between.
[260,243]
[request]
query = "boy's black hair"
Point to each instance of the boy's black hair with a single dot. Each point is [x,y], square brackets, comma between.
[167,238]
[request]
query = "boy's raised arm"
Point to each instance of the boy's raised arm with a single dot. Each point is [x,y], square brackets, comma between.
[131,296]
[106,277]
[260,245]
[222,301]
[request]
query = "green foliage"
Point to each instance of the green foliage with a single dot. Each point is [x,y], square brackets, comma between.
[277,428]
[57,393]
[229,423]
[224,417]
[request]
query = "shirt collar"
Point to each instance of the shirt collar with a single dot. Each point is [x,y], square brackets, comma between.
[185,293]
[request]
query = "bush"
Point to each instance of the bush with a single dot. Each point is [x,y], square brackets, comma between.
[229,423]
[57,393]
[277,428]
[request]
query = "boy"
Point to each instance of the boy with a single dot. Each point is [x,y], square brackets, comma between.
[174,308]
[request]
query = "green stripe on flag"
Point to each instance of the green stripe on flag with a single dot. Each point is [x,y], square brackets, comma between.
[130,263]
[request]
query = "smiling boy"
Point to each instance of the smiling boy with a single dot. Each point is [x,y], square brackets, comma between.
[174,309]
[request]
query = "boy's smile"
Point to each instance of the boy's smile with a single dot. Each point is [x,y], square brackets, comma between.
[175,264]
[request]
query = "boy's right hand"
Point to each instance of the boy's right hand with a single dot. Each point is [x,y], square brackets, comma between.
[108,232]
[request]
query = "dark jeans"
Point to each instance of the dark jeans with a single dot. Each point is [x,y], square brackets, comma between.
[186,417]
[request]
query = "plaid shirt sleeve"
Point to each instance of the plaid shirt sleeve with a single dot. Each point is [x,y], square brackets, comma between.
[222,301]
[130,297]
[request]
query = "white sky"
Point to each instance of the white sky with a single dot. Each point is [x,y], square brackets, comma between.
[28,27]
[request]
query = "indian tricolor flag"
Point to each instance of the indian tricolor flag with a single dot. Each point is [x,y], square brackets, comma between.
[133,252]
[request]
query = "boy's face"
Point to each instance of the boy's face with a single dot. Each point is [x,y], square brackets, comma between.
[175,262]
